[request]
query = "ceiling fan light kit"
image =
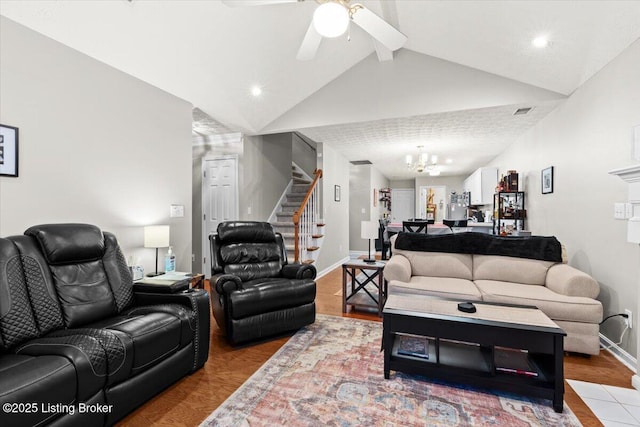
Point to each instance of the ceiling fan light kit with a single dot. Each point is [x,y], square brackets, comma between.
[331,19]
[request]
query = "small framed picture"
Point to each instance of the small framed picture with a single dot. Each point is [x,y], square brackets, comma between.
[336,193]
[8,151]
[547,180]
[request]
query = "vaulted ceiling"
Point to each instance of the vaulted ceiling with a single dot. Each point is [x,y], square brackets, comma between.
[466,67]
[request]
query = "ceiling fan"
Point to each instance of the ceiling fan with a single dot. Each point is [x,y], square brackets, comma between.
[331,19]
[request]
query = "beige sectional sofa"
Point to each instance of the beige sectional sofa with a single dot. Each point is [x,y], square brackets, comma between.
[565,294]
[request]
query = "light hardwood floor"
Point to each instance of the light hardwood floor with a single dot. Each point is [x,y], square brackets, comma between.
[191,400]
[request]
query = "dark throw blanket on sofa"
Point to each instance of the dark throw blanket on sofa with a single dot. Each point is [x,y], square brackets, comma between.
[533,247]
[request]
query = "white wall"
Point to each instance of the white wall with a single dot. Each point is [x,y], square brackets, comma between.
[359,204]
[378,181]
[335,171]
[96,146]
[584,138]
[363,179]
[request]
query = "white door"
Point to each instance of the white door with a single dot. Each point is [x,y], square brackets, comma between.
[403,202]
[219,199]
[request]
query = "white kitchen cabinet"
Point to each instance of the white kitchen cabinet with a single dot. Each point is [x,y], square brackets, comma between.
[482,185]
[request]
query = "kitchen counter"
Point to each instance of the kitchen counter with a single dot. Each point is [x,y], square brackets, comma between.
[479,224]
[440,228]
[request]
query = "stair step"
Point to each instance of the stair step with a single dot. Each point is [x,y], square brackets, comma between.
[299,188]
[282,224]
[308,261]
[301,181]
[290,204]
[285,216]
[313,248]
[320,224]
[317,236]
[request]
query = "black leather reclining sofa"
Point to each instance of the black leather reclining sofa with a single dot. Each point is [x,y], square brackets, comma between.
[77,345]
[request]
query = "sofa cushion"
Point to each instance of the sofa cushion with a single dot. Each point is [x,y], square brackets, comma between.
[88,356]
[39,380]
[556,306]
[445,287]
[509,269]
[439,264]
[84,292]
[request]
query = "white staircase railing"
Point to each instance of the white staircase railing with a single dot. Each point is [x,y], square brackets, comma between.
[305,221]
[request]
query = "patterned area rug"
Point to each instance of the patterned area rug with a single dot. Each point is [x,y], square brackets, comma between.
[331,374]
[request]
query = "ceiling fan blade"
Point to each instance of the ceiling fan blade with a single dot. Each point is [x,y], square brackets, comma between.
[379,29]
[310,44]
[241,3]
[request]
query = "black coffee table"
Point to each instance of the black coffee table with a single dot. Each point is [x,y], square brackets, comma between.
[464,347]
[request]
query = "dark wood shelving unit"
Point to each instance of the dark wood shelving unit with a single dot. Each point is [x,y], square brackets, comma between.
[509,212]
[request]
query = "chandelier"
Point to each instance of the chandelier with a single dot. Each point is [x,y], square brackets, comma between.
[423,163]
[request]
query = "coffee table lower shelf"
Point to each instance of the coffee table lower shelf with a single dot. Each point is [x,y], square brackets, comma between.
[473,365]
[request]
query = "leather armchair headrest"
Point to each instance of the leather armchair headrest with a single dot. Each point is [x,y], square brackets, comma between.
[246,232]
[68,243]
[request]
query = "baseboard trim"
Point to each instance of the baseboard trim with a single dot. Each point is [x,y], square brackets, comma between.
[358,254]
[332,267]
[619,353]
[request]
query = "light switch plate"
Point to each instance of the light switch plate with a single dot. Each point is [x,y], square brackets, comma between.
[628,210]
[618,210]
[176,211]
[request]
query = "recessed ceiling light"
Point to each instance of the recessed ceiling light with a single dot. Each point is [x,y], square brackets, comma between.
[540,42]
[256,91]
[449,161]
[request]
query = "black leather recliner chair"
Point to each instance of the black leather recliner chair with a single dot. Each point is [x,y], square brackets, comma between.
[78,346]
[255,292]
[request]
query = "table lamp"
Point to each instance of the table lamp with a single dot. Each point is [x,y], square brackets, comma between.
[369,230]
[156,236]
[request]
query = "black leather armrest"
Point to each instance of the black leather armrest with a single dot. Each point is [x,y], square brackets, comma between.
[224,284]
[198,301]
[182,298]
[299,271]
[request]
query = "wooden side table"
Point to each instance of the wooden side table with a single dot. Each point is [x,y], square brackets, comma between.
[197,281]
[359,295]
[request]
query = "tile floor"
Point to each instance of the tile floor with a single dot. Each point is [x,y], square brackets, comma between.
[614,406]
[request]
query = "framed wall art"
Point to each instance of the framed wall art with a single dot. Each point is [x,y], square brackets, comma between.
[547,180]
[8,151]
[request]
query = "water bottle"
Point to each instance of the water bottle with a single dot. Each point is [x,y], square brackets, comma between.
[169,261]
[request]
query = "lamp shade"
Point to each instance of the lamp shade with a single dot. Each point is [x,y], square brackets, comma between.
[369,230]
[156,236]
